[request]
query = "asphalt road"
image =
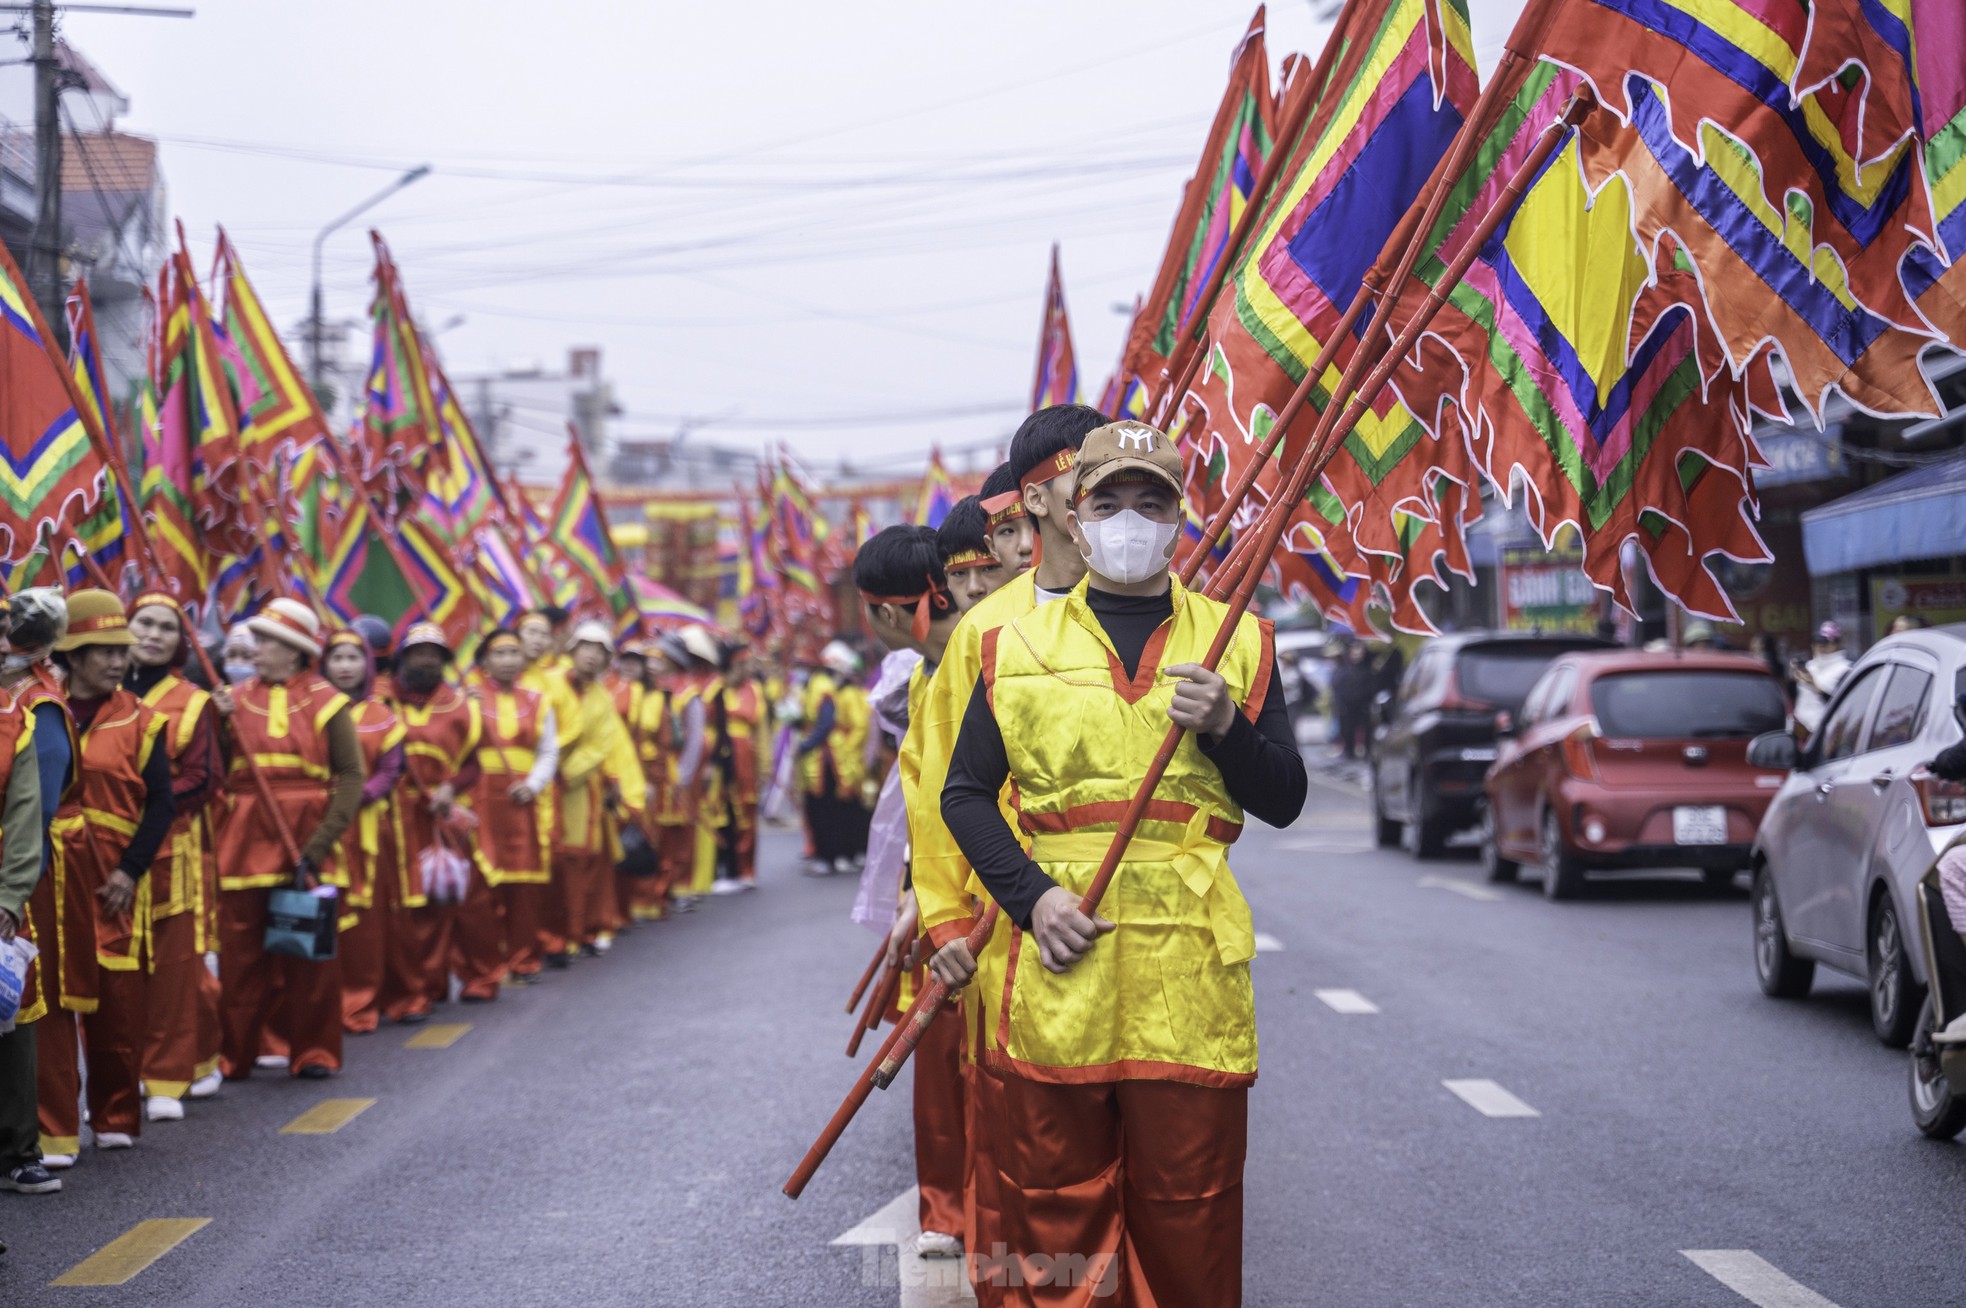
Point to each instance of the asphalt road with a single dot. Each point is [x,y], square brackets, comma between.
[619,1135]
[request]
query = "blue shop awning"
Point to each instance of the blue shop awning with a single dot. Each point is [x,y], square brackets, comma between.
[1919,514]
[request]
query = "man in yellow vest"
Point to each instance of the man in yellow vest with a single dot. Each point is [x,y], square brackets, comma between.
[1127,1040]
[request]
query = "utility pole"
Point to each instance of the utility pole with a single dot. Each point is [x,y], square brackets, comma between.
[44,261]
[44,272]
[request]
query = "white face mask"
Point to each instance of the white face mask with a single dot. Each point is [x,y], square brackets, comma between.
[1127,547]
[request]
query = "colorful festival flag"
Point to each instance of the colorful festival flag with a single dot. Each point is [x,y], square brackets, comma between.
[579,532]
[937,497]
[399,434]
[1058,370]
[1212,203]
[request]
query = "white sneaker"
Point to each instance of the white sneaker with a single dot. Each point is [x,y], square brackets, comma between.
[57,1162]
[603,943]
[206,1086]
[934,1244]
[108,1140]
[271,1061]
[162,1108]
[1954,1034]
[726,887]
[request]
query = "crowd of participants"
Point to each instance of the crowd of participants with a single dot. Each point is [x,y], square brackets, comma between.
[469,821]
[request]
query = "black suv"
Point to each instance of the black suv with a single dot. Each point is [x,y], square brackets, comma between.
[1434,740]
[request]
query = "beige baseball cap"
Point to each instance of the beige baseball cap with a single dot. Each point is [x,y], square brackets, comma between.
[1127,446]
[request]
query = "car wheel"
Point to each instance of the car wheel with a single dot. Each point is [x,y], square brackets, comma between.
[1385,831]
[1425,835]
[1781,973]
[1498,868]
[1893,1003]
[1563,872]
[1936,1106]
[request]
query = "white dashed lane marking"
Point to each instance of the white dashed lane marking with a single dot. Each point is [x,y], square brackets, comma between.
[1348,1002]
[1489,1099]
[1460,886]
[1755,1279]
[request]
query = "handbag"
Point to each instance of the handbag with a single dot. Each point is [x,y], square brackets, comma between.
[638,857]
[303,924]
[446,874]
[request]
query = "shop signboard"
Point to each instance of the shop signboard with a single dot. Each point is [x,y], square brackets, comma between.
[1546,590]
[1938,600]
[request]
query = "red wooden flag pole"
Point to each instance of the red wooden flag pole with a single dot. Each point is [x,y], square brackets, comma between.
[873,966]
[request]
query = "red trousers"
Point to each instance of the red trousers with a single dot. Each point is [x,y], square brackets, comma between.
[939,1124]
[181,1003]
[1127,1192]
[676,843]
[522,918]
[641,899]
[301,1000]
[982,1188]
[111,1039]
[459,938]
[587,894]
[744,843]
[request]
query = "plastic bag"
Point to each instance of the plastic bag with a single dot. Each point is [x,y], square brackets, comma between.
[16,956]
[446,874]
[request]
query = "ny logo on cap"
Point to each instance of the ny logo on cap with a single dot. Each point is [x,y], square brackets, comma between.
[1136,436]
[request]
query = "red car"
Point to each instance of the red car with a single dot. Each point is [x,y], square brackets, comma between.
[1627,759]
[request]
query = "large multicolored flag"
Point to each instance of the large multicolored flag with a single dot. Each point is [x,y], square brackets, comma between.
[937,497]
[99,537]
[1724,122]
[400,433]
[1579,372]
[278,413]
[460,493]
[1401,85]
[1212,203]
[1057,380]
[579,532]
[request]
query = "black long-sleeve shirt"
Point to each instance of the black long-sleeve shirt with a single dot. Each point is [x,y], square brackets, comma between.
[1260,763]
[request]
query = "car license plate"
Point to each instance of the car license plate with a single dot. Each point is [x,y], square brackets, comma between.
[1704,825]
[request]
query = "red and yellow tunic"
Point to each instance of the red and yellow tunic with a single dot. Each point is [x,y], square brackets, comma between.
[372,847]
[1166,995]
[284,729]
[61,904]
[747,716]
[100,813]
[512,838]
[179,881]
[441,736]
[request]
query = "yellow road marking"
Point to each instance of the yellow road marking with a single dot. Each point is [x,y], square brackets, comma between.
[327,1117]
[131,1252]
[441,1035]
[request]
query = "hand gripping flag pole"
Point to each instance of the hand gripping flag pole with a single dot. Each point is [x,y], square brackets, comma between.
[1337,422]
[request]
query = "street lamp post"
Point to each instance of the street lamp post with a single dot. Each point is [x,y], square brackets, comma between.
[315,315]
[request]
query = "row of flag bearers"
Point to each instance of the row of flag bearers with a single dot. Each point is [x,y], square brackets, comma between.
[1080,1106]
[461,825]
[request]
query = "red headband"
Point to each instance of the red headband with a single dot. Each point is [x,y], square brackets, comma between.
[962,560]
[1056,466]
[924,605]
[1007,507]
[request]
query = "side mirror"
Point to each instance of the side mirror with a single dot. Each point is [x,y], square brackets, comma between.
[1504,725]
[1774,750]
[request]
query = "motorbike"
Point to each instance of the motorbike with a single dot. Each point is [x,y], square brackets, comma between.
[1938,1072]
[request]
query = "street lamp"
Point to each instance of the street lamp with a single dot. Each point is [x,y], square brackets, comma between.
[314,321]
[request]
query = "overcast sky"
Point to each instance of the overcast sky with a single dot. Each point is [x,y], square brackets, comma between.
[827,224]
